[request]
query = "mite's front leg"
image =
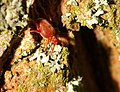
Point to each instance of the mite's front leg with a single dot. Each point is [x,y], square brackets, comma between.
[36,31]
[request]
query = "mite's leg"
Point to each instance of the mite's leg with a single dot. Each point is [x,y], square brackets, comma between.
[45,46]
[36,31]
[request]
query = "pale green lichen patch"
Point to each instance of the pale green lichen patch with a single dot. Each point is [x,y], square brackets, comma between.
[112,15]
[5,38]
[12,15]
[87,13]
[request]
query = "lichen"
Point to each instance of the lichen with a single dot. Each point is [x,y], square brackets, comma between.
[54,60]
[111,15]
[37,76]
[74,82]
[32,67]
[25,48]
[5,38]
[87,13]
[12,15]
[38,71]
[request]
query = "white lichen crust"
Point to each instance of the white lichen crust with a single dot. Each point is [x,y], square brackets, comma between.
[86,12]
[53,60]
[12,14]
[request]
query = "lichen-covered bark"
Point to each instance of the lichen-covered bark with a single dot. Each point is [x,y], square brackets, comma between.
[90,28]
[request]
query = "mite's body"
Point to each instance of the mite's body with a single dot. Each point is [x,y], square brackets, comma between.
[45,29]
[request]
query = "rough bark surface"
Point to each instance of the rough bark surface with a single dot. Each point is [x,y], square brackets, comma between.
[93,55]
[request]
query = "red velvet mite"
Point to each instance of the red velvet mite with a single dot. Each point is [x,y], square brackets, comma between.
[45,29]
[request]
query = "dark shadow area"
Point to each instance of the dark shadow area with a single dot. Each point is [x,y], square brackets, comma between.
[89,58]
[99,60]
[47,9]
